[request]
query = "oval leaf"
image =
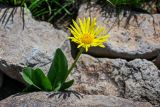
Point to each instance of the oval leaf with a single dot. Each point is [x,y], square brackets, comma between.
[58,69]
[67,85]
[27,74]
[39,79]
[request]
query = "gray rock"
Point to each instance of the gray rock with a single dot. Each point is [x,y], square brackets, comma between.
[1,79]
[34,46]
[138,79]
[40,99]
[130,39]
[92,77]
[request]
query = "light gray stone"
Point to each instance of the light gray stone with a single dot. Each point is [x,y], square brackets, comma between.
[135,36]
[40,99]
[34,46]
[138,79]
[92,77]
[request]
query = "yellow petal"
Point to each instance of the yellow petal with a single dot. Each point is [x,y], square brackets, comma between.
[99,30]
[81,26]
[88,25]
[86,49]
[79,45]
[75,30]
[85,24]
[102,46]
[92,27]
[76,26]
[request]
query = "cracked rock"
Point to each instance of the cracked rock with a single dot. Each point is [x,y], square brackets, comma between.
[40,99]
[138,79]
[32,46]
[134,35]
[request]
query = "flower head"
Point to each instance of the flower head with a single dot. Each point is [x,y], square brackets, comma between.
[87,34]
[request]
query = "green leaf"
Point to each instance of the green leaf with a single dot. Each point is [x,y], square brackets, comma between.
[27,74]
[57,88]
[40,80]
[67,84]
[58,69]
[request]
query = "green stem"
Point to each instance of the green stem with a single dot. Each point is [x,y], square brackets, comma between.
[75,61]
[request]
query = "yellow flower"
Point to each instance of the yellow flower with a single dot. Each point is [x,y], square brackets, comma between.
[87,34]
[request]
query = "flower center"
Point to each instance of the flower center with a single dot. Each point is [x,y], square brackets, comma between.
[87,38]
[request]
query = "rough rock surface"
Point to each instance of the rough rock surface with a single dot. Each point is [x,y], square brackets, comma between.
[138,79]
[135,36]
[39,99]
[92,77]
[34,46]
